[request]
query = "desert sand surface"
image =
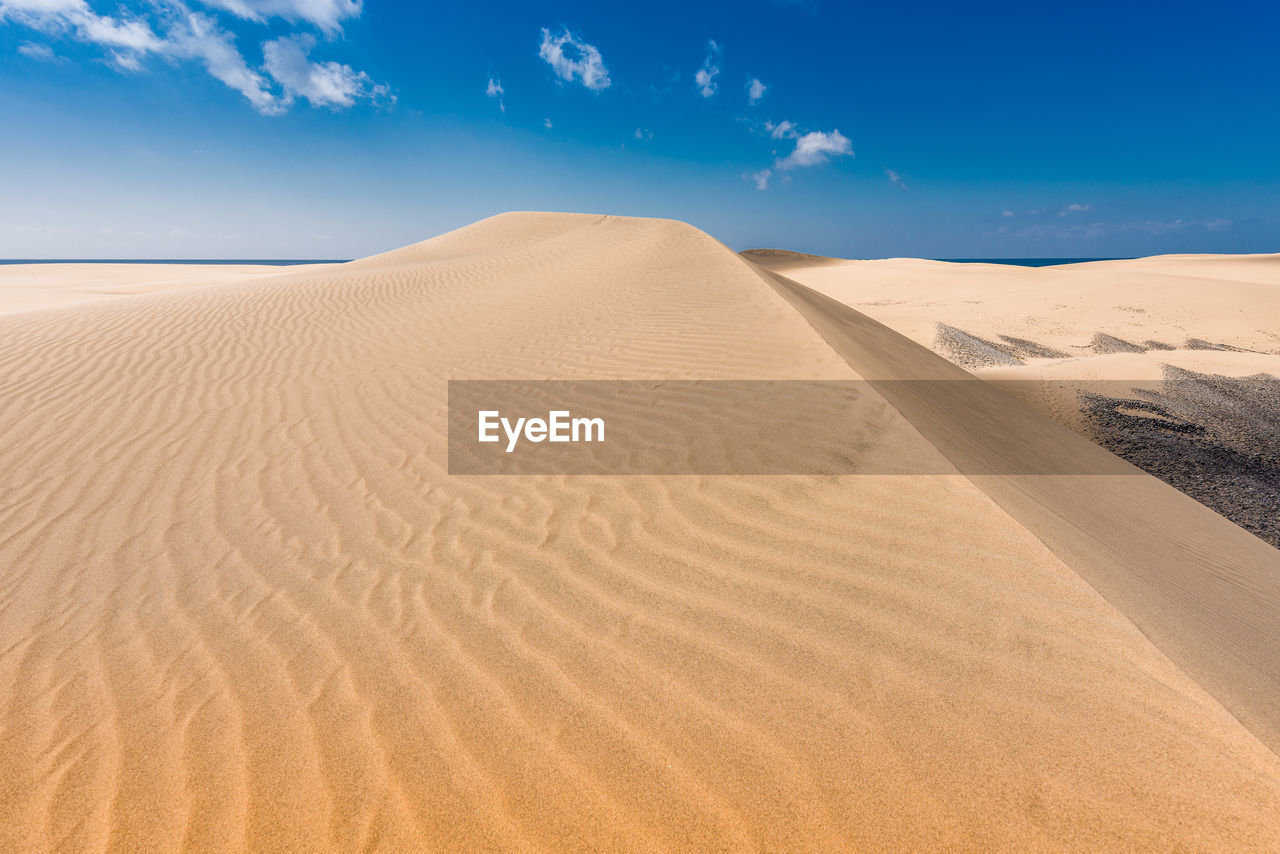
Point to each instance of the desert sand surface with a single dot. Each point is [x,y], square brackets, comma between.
[24,287]
[1188,341]
[1188,308]
[1212,313]
[245,606]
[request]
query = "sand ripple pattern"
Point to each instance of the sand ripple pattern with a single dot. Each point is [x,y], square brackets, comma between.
[243,606]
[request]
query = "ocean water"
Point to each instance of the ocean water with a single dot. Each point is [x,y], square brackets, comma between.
[285,262]
[1026,262]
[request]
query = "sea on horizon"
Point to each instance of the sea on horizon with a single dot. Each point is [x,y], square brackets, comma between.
[287,262]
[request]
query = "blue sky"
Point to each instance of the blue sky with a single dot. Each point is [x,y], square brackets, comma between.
[338,128]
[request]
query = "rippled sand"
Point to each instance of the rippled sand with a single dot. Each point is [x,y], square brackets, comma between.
[244,606]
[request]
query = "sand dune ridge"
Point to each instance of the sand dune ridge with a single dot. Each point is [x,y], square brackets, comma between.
[244,606]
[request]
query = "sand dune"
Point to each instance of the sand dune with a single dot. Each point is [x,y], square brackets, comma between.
[1189,339]
[245,607]
[1196,306]
[24,287]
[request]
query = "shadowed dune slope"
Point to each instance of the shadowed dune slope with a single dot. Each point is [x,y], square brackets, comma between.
[244,606]
[1205,590]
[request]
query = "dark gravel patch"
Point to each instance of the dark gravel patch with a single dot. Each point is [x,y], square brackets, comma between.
[1215,438]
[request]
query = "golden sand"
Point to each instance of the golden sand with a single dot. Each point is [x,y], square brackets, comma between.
[243,606]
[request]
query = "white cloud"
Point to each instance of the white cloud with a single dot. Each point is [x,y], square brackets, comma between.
[895,178]
[177,33]
[327,15]
[1063,211]
[572,58]
[1048,229]
[816,148]
[755,90]
[201,39]
[40,52]
[710,70]
[1155,227]
[644,135]
[546,123]
[495,90]
[75,18]
[761,178]
[127,61]
[43,7]
[323,84]
[781,129]
[134,36]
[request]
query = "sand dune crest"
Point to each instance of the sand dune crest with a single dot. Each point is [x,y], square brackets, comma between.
[246,608]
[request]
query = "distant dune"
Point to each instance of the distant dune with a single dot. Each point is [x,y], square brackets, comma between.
[1171,361]
[245,607]
[1191,309]
[24,287]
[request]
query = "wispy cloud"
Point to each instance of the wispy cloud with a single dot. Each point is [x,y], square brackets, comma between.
[895,178]
[755,90]
[573,59]
[812,148]
[546,123]
[495,90]
[169,29]
[1061,211]
[127,39]
[706,76]
[1165,226]
[1051,229]
[815,148]
[323,84]
[326,15]
[39,52]
[199,38]
[782,130]
[644,134]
